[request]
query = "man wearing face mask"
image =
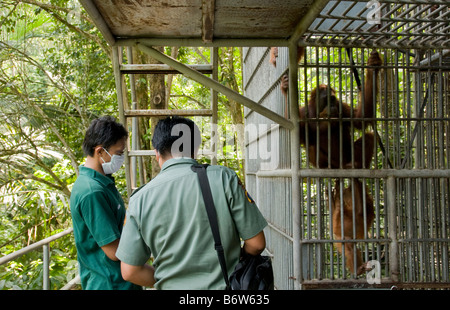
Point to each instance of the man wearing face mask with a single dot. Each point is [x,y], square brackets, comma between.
[98,211]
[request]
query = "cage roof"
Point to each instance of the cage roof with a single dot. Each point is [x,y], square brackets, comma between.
[383,23]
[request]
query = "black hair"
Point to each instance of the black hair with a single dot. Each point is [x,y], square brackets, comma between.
[104,131]
[169,136]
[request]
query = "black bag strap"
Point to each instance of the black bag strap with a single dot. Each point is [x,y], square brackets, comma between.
[212,216]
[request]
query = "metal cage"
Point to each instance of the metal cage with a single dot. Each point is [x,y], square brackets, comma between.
[407,182]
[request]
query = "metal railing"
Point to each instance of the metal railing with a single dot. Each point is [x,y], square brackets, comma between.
[46,257]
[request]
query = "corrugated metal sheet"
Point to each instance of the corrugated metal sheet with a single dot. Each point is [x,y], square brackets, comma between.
[267,149]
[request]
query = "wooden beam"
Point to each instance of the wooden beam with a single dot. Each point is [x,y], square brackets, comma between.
[95,15]
[153,153]
[307,20]
[160,69]
[208,82]
[208,7]
[141,153]
[165,112]
[248,42]
[121,101]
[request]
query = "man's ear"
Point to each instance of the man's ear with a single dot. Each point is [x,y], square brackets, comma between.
[98,151]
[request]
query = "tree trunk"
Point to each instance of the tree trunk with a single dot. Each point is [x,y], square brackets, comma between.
[150,94]
[228,77]
[157,101]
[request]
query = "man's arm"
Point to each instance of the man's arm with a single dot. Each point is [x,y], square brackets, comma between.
[139,275]
[110,249]
[256,244]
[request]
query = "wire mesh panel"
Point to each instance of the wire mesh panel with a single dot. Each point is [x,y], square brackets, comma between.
[375,186]
[383,23]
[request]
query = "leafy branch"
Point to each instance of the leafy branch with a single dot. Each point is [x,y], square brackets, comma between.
[56,11]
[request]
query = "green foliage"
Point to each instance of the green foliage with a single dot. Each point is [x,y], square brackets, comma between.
[55,77]
[53,81]
[187,94]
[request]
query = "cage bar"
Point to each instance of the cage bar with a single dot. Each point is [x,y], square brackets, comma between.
[407,179]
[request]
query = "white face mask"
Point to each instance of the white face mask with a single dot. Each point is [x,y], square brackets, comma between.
[113,165]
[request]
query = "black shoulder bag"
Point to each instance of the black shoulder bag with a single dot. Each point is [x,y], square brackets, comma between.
[252,272]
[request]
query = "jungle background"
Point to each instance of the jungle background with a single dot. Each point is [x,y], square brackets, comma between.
[55,77]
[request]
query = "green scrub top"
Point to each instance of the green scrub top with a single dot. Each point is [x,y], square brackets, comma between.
[167,219]
[98,214]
